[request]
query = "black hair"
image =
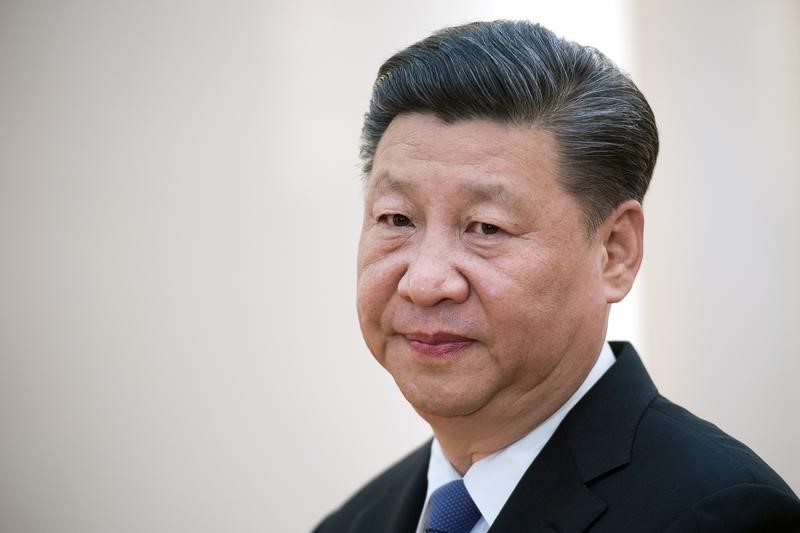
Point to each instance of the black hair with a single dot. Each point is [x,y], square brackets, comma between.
[520,73]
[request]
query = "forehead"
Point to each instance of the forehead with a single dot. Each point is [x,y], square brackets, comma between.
[481,157]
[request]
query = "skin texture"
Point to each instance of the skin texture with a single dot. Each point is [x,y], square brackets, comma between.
[478,288]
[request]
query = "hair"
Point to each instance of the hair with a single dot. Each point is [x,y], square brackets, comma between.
[520,73]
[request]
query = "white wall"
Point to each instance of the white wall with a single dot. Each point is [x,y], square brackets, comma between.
[722,265]
[179,211]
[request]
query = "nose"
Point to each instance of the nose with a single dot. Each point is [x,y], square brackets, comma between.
[431,275]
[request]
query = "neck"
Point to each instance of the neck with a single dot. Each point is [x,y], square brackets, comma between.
[466,439]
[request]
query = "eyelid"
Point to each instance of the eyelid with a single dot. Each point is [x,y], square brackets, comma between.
[387,205]
[476,223]
[386,218]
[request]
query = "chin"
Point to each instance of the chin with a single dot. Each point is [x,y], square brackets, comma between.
[442,403]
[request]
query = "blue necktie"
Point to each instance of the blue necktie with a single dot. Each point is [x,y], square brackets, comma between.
[452,510]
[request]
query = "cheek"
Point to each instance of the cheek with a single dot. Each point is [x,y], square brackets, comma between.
[378,277]
[536,292]
[368,296]
[370,305]
[568,297]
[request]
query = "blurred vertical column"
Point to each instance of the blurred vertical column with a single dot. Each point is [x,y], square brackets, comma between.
[722,302]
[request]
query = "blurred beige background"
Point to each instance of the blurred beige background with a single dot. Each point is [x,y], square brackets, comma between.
[179,212]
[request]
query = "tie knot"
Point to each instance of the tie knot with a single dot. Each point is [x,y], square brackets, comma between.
[452,509]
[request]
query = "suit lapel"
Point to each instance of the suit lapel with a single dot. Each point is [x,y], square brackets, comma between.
[408,500]
[551,495]
[396,509]
[594,439]
[601,427]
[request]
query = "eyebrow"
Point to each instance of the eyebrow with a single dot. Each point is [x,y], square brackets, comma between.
[479,192]
[489,192]
[386,181]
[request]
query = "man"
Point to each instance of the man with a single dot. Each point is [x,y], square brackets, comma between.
[505,170]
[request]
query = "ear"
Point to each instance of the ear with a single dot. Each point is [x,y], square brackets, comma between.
[622,236]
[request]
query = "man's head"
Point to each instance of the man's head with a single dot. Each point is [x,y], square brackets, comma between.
[522,74]
[505,169]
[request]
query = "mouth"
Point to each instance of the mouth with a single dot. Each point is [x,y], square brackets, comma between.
[438,344]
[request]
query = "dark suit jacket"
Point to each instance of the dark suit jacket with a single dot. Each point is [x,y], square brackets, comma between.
[624,459]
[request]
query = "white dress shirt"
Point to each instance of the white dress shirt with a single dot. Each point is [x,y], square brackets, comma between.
[491,480]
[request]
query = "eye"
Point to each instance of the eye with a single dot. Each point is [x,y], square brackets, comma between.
[483,228]
[489,229]
[395,220]
[399,220]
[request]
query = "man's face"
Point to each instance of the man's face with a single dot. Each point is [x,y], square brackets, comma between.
[477,285]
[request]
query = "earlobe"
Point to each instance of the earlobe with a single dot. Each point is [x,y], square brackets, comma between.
[623,233]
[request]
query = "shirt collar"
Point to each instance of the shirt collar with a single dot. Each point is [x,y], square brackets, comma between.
[491,480]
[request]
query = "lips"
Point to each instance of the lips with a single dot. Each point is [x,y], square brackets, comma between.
[438,344]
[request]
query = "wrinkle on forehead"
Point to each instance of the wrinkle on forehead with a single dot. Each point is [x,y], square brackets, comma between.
[491,190]
[412,137]
[418,147]
[414,140]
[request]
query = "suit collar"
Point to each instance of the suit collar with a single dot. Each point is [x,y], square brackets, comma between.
[397,507]
[595,438]
[551,495]
[600,429]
